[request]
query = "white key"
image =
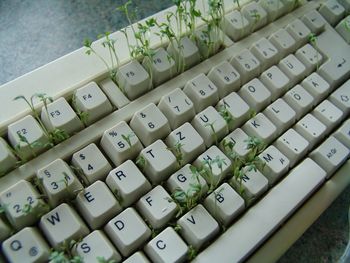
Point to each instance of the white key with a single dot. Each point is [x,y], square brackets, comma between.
[150,124]
[238,137]
[7,158]
[22,204]
[225,77]
[310,57]
[330,155]
[26,245]
[97,205]
[133,79]
[300,100]
[167,247]
[251,185]
[276,81]
[92,101]
[255,94]
[283,41]
[274,8]
[332,11]
[127,231]
[293,68]
[157,207]
[343,134]
[60,115]
[255,14]
[120,143]
[177,107]
[198,226]
[281,115]
[208,41]
[261,127]
[186,143]
[265,52]
[299,32]
[127,182]
[137,257]
[276,164]
[224,204]
[316,86]
[27,136]
[202,92]
[5,230]
[236,25]
[92,163]
[341,97]
[210,125]
[311,129]
[345,4]
[314,21]
[160,162]
[113,92]
[237,109]
[343,28]
[246,64]
[62,224]
[292,145]
[328,114]
[267,215]
[289,5]
[58,182]
[96,246]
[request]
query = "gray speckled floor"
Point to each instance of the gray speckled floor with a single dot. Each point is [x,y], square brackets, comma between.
[35,32]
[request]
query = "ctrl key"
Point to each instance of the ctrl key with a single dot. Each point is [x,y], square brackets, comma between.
[26,245]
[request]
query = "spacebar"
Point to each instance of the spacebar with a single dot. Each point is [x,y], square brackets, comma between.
[244,236]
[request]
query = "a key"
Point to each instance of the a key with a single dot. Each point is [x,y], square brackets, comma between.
[276,81]
[235,109]
[343,28]
[26,245]
[293,68]
[133,79]
[310,57]
[22,204]
[159,162]
[328,114]
[238,137]
[137,257]
[208,41]
[255,14]
[62,224]
[298,31]
[345,4]
[236,25]
[246,64]
[202,92]
[97,205]
[60,115]
[177,107]
[127,231]
[58,182]
[167,247]
[150,124]
[292,145]
[211,126]
[225,77]
[7,158]
[283,41]
[336,70]
[92,163]
[343,134]
[186,143]
[314,21]
[224,204]
[289,5]
[332,11]
[96,246]
[157,207]
[120,143]
[265,52]
[274,8]
[255,94]
[261,127]
[114,93]
[27,137]
[198,226]
[330,155]
[341,97]
[91,101]
[300,100]
[127,182]
[316,86]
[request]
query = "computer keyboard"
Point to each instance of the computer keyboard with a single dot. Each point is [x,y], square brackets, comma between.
[225,153]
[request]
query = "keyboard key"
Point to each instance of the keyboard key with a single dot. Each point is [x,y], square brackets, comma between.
[341,97]
[96,245]
[299,99]
[113,92]
[97,205]
[283,41]
[236,25]
[202,92]
[239,139]
[127,231]
[343,134]
[314,21]
[91,100]
[274,8]
[328,114]
[198,227]
[276,81]
[7,158]
[261,127]
[343,29]
[128,183]
[150,124]
[62,224]
[332,11]
[167,247]
[255,14]
[120,143]
[299,31]
[26,244]
[157,207]
[246,64]
[137,257]
[255,94]
[265,52]
[293,68]
[177,107]
[310,57]
[316,86]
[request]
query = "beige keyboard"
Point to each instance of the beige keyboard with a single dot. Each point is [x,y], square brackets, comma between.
[230,149]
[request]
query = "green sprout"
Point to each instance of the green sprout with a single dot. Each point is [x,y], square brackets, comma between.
[141,162]
[83,115]
[176,149]
[64,253]
[225,113]
[192,253]
[256,18]
[103,260]
[213,132]
[128,137]
[313,41]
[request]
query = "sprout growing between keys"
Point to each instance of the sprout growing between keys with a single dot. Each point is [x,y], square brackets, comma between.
[176,150]
[103,260]
[64,254]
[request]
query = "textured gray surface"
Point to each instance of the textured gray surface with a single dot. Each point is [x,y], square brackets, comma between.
[35,32]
